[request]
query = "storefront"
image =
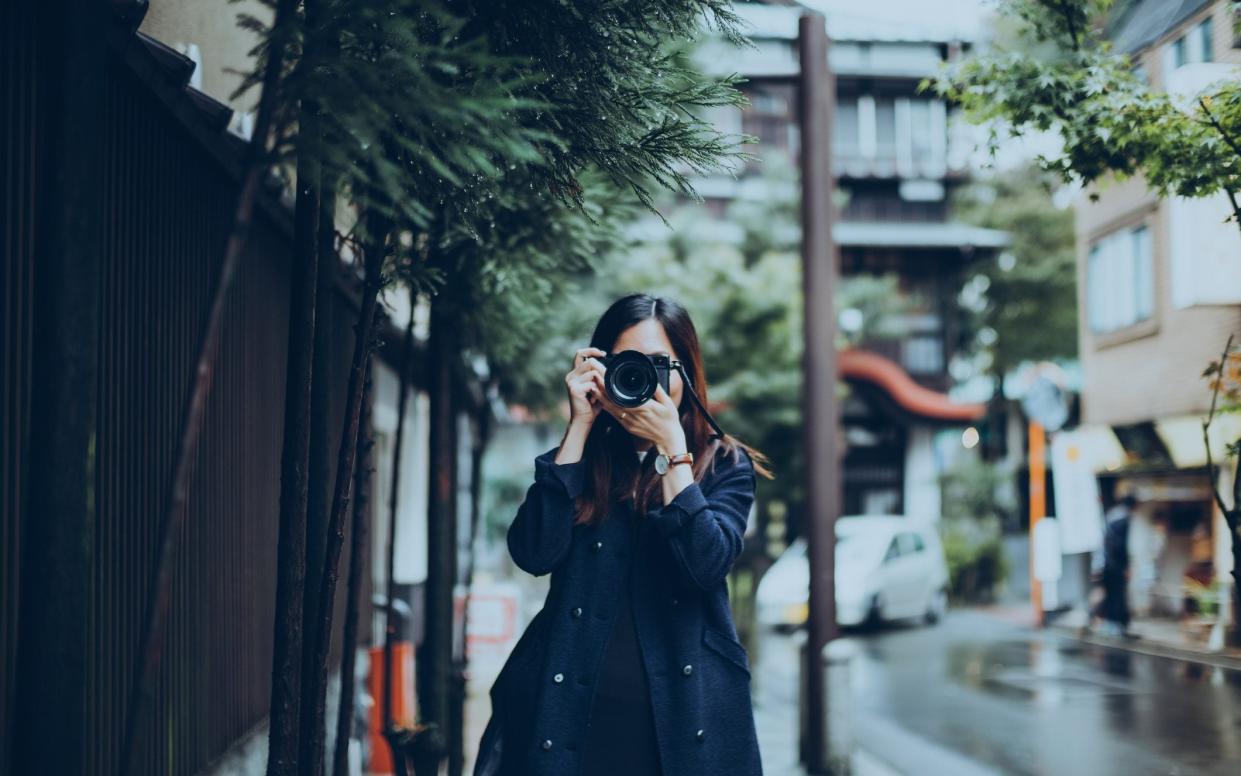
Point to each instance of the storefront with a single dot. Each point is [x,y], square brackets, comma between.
[1179,545]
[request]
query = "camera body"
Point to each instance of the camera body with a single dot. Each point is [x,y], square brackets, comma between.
[632,376]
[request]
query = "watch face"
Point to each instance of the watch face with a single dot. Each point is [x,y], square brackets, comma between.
[661,463]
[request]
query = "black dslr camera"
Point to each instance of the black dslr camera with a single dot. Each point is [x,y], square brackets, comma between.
[631,376]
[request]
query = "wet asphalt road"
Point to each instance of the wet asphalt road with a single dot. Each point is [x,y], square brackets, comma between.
[976,695]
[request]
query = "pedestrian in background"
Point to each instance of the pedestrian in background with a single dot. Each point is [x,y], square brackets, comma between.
[1113,610]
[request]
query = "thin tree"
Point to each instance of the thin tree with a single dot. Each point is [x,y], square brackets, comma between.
[392,736]
[285,729]
[377,232]
[324,374]
[1225,377]
[357,558]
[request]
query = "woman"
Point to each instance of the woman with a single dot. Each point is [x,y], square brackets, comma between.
[633,665]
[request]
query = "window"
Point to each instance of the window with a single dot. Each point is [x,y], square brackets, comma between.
[770,119]
[1193,47]
[1206,47]
[885,127]
[1120,282]
[923,354]
[922,138]
[910,544]
[846,140]
[894,552]
[1178,52]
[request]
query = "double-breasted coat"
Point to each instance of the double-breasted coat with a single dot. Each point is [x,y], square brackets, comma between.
[698,670]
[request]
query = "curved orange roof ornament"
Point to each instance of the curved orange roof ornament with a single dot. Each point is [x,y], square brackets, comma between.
[888,376]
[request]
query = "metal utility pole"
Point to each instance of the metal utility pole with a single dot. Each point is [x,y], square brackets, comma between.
[823,480]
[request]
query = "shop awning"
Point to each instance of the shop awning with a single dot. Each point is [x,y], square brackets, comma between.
[1182,436]
[1179,439]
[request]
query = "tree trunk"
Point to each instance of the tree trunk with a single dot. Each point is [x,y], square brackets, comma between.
[1234,529]
[322,635]
[357,548]
[322,394]
[286,733]
[253,167]
[435,659]
[481,428]
[1232,518]
[407,356]
[322,387]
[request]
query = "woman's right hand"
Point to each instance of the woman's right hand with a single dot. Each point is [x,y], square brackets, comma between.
[585,384]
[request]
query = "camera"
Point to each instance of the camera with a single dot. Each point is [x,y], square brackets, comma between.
[631,376]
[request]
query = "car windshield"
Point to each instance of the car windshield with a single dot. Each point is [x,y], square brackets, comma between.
[857,546]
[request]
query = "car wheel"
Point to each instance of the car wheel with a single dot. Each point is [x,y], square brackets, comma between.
[937,606]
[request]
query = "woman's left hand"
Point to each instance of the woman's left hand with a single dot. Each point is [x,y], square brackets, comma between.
[658,420]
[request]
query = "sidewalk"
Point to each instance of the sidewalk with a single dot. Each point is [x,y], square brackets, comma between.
[1159,638]
[776,724]
[774,689]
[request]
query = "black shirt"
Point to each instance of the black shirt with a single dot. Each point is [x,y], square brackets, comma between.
[620,731]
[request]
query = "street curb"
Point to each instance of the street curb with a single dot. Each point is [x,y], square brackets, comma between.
[1151,648]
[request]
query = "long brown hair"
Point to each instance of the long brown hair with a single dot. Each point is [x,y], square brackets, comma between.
[609,448]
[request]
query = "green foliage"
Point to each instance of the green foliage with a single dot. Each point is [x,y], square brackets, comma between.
[878,305]
[1023,305]
[977,501]
[431,103]
[977,491]
[1223,378]
[506,141]
[1061,75]
[512,274]
[976,561]
[501,498]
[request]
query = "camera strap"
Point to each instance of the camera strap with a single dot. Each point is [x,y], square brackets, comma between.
[689,385]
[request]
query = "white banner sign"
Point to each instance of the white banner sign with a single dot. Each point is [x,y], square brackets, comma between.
[1078,506]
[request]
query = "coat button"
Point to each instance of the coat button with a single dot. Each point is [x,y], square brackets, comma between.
[688,669]
[547,743]
[577,612]
[558,678]
[597,545]
[699,735]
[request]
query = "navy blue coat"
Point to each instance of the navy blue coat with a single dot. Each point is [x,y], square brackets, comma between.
[698,670]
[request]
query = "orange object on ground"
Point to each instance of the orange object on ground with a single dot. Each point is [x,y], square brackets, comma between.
[402,700]
[1038,507]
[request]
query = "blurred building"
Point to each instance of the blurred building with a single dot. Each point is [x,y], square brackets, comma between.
[898,155]
[1160,291]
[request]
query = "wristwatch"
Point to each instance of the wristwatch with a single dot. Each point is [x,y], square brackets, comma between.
[665,462]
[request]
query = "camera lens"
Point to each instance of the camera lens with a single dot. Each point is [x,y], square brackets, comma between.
[631,379]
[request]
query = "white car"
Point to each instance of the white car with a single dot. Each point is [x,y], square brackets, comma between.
[888,567]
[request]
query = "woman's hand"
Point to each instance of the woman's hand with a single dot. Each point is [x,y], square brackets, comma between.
[585,385]
[658,420]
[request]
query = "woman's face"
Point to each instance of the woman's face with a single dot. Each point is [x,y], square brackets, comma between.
[650,338]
